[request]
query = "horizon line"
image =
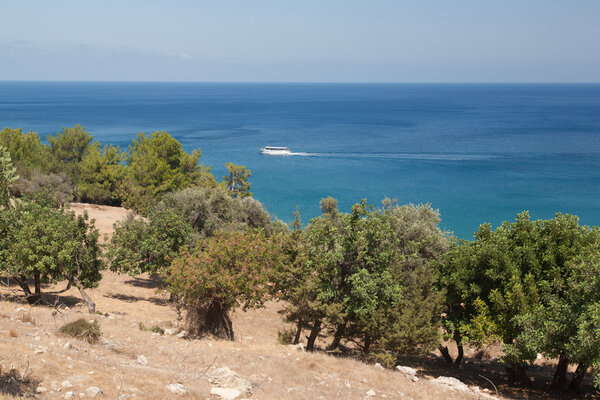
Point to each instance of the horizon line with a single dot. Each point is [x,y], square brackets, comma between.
[312,82]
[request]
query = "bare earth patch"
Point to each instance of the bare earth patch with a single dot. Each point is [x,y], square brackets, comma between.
[129,363]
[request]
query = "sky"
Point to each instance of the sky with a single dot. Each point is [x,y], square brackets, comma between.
[301,41]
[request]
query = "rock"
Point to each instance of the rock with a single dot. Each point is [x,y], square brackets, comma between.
[142,360]
[406,370]
[66,384]
[170,331]
[226,378]
[55,387]
[371,393]
[41,389]
[225,393]
[451,383]
[177,388]
[182,334]
[67,346]
[93,391]
[415,379]
[378,366]
[68,395]
[76,379]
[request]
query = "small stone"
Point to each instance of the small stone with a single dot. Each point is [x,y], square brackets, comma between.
[66,384]
[182,334]
[93,391]
[69,394]
[67,346]
[142,360]
[70,366]
[41,389]
[371,393]
[170,331]
[226,393]
[177,388]
[415,379]
[378,366]
[348,385]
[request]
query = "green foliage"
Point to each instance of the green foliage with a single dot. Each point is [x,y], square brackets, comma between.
[285,336]
[532,284]
[83,330]
[369,275]
[237,182]
[68,148]
[26,149]
[8,176]
[227,271]
[156,165]
[102,175]
[209,210]
[153,328]
[56,185]
[139,245]
[49,244]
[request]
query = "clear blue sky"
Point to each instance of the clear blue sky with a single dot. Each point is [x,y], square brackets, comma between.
[301,41]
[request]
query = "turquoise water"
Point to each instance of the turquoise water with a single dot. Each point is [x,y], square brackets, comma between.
[478,153]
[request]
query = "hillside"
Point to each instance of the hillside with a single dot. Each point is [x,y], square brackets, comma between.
[129,362]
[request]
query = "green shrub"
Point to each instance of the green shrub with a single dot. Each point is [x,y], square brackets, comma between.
[286,336]
[82,329]
[153,328]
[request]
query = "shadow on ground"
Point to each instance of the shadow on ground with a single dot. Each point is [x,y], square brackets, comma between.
[152,282]
[131,299]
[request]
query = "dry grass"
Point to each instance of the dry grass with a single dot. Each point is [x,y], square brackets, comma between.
[276,371]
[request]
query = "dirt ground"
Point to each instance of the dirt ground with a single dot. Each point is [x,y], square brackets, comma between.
[36,360]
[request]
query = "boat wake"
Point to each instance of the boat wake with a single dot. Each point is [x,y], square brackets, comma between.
[400,156]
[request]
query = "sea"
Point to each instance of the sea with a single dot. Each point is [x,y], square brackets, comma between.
[476,152]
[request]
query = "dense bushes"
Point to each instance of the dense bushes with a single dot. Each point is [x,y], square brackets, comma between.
[76,166]
[534,286]
[368,277]
[224,272]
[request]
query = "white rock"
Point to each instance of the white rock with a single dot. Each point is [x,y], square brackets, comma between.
[226,378]
[142,360]
[415,379]
[371,393]
[170,331]
[451,383]
[93,391]
[225,393]
[378,366]
[182,334]
[69,394]
[41,389]
[67,346]
[66,384]
[406,370]
[177,388]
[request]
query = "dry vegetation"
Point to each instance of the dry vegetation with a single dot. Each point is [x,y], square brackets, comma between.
[34,355]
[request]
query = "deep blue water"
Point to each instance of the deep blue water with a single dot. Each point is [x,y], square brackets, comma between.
[477,152]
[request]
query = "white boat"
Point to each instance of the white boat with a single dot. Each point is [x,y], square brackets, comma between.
[275,151]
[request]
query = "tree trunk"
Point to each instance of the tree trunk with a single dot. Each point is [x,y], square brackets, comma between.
[559,381]
[461,354]
[22,281]
[314,332]
[518,376]
[339,332]
[90,303]
[367,346]
[445,354]
[575,384]
[298,332]
[38,284]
